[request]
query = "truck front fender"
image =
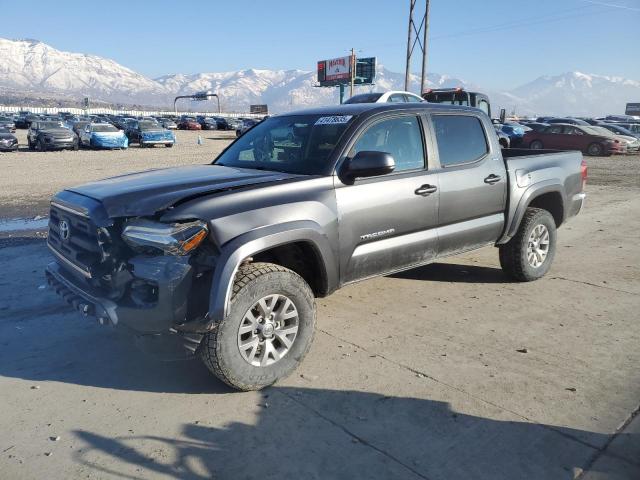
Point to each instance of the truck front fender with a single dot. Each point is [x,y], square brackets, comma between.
[235,251]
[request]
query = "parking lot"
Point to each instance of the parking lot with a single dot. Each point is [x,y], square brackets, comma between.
[448,371]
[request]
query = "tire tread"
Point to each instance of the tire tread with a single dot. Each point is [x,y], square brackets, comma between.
[247,273]
[510,254]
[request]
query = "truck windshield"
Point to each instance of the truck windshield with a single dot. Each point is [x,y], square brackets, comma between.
[298,144]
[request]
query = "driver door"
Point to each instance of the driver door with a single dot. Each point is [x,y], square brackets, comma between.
[388,223]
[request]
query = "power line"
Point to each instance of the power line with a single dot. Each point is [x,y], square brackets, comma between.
[612,5]
[524,22]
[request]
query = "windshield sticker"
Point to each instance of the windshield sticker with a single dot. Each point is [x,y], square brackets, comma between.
[335,119]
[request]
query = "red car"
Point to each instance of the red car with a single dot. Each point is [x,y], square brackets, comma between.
[189,123]
[562,136]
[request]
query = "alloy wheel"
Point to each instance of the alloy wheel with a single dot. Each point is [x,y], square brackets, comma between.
[267,330]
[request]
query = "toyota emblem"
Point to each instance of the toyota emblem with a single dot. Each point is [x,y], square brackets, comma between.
[63,227]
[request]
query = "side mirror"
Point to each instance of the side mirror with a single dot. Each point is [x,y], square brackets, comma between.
[368,164]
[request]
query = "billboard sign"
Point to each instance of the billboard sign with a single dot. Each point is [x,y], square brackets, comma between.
[259,109]
[632,109]
[337,71]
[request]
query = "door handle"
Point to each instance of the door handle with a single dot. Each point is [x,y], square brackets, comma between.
[493,178]
[426,190]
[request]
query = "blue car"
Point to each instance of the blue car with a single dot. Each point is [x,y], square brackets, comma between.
[103,135]
[514,131]
[148,133]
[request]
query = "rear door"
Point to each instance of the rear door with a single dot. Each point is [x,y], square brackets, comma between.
[472,180]
[575,138]
[389,222]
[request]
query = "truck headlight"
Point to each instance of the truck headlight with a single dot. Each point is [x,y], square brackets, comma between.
[173,239]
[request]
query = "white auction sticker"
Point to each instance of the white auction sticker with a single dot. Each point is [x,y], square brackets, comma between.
[333,119]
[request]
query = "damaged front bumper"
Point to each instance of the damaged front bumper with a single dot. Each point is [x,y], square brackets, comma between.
[154,302]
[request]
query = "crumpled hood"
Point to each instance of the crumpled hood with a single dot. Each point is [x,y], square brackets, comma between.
[146,193]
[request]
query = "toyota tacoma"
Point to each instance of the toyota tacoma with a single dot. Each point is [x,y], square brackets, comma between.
[226,259]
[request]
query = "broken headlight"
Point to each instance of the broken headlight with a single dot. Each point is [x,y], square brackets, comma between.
[173,238]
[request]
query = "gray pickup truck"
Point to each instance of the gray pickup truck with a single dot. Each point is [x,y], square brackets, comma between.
[225,259]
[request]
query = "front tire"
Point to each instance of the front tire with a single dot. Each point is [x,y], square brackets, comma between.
[536,145]
[529,254]
[40,146]
[268,331]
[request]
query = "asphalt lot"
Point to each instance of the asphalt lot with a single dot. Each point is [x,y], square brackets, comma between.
[448,371]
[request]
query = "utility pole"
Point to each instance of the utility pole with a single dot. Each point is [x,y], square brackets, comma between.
[413,38]
[353,71]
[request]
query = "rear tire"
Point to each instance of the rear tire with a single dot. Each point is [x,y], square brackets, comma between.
[525,257]
[168,145]
[220,349]
[595,150]
[536,145]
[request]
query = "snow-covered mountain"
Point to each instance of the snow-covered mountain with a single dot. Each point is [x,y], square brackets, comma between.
[33,66]
[577,94]
[36,70]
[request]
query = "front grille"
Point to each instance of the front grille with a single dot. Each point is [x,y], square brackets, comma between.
[81,247]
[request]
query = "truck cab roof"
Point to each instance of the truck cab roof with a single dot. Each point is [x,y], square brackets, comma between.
[372,108]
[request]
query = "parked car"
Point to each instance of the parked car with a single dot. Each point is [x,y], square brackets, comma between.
[631,143]
[222,123]
[247,123]
[515,132]
[148,134]
[567,121]
[8,141]
[234,123]
[573,137]
[384,97]
[25,121]
[632,127]
[7,123]
[103,135]
[503,138]
[207,123]
[189,123]
[536,125]
[79,125]
[167,123]
[620,130]
[48,135]
[226,259]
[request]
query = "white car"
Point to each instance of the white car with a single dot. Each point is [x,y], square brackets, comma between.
[386,97]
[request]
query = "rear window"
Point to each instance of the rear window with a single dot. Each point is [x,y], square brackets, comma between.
[461,139]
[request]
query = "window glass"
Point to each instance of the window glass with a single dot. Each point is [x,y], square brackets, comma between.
[399,137]
[484,106]
[413,99]
[460,138]
[294,144]
[396,98]
[555,130]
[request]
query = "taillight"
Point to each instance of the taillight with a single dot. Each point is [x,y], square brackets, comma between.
[583,173]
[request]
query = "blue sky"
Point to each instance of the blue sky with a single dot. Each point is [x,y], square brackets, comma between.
[495,43]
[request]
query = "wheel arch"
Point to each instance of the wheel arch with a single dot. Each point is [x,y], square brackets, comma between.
[271,244]
[548,195]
